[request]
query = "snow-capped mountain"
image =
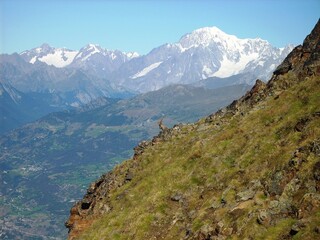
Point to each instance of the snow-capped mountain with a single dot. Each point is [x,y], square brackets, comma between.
[92,72]
[204,53]
[91,57]
[58,57]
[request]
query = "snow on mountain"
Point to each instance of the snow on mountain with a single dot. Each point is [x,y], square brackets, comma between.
[234,53]
[229,67]
[205,36]
[204,53]
[58,57]
[146,70]
[131,55]
[89,50]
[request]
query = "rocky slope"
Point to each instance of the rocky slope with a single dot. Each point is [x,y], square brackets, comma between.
[249,171]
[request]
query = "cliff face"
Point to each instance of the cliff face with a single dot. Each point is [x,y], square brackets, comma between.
[249,171]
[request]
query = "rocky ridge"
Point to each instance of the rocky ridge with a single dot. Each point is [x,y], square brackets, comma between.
[249,171]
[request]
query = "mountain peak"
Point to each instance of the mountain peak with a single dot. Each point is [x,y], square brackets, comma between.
[208,36]
[214,31]
[93,48]
[45,46]
[205,36]
[93,45]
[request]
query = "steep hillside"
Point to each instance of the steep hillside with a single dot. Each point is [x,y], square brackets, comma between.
[250,171]
[45,164]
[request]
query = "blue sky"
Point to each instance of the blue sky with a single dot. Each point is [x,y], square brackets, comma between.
[142,25]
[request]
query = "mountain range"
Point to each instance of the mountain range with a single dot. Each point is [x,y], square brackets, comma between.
[201,54]
[204,53]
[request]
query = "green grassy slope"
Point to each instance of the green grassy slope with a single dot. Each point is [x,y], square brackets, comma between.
[206,165]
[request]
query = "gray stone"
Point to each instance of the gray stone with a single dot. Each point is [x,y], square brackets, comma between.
[275,187]
[176,197]
[245,195]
